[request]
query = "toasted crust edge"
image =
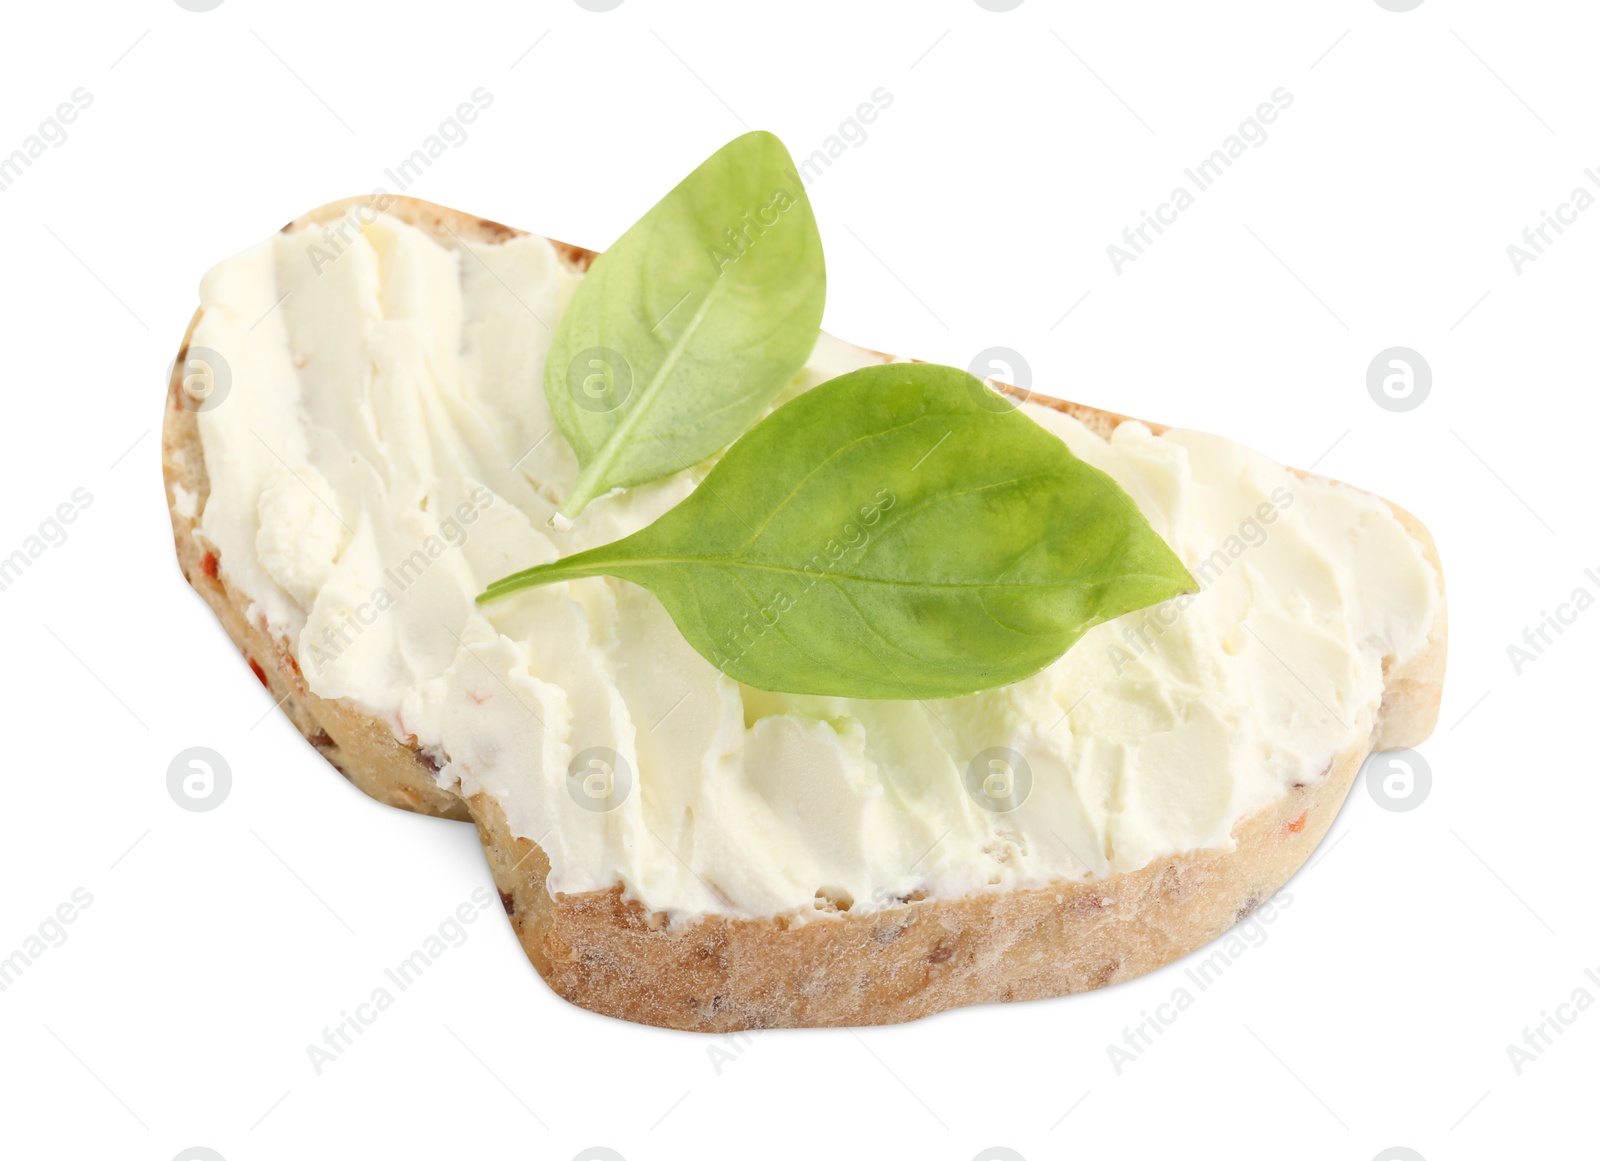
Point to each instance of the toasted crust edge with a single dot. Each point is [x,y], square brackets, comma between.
[725,973]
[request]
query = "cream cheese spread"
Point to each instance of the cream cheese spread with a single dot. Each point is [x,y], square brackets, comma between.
[385,451]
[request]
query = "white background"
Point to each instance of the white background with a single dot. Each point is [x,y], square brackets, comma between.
[976,213]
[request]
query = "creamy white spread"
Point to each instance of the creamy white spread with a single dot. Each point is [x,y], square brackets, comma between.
[385,451]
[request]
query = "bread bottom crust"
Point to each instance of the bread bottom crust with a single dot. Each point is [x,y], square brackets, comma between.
[723,973]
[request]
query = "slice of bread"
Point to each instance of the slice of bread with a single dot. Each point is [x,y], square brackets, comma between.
[723,973]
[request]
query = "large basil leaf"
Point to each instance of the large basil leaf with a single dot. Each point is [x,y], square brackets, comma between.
[890,534]
[684,331]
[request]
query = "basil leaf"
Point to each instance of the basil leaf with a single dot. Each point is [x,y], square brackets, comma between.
[684,331]
[890,534]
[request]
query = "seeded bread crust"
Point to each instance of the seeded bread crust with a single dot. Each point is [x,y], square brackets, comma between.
[724,972]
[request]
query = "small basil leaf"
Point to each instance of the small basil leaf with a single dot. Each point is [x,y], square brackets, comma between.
[684,331]
[890,534]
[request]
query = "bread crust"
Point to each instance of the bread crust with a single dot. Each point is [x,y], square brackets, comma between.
[723,973]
